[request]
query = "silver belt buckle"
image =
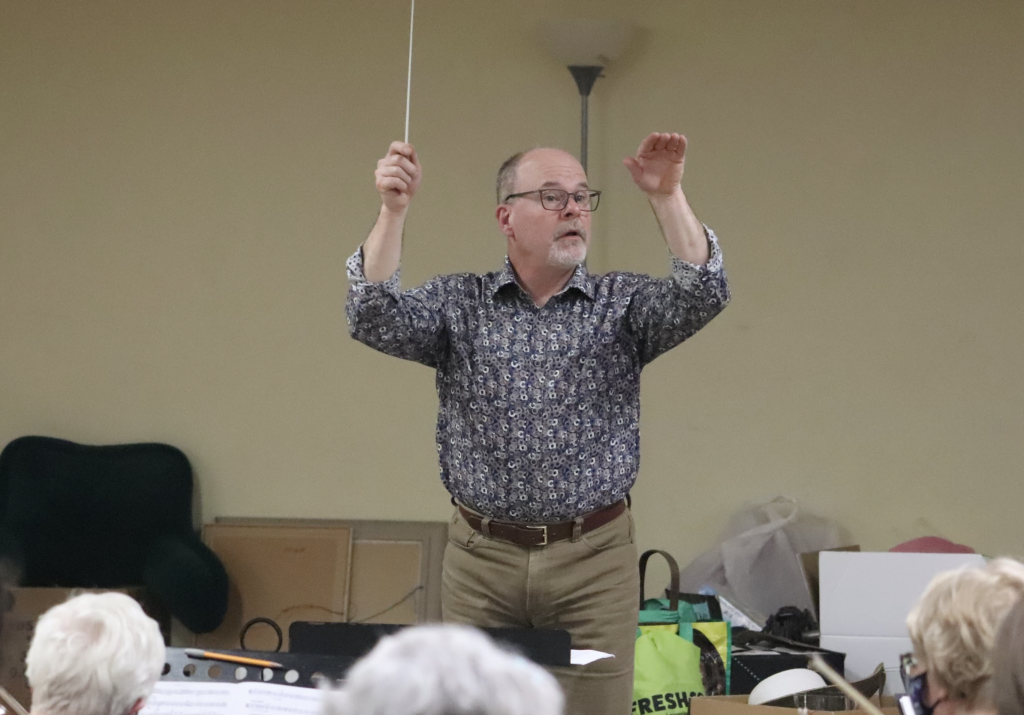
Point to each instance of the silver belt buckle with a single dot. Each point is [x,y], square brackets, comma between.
[544,530]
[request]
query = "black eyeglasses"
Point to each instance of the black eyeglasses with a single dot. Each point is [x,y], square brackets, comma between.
[557,199]
[915,684]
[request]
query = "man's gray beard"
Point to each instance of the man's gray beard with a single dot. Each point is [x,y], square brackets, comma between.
[567,256]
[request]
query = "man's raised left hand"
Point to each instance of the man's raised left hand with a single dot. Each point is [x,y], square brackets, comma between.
[657,167]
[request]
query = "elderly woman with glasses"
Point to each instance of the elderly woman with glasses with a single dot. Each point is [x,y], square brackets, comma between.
[953,628]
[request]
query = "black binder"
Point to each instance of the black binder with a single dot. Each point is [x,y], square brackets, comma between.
[354,640]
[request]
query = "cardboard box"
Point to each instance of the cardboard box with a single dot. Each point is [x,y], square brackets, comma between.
[865,600]
[737,705]
[809,568]
[21,609]
[870,594]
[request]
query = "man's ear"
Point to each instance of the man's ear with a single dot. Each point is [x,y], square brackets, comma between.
[504,216]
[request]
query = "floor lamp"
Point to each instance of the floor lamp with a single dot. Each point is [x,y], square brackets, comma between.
[585,46]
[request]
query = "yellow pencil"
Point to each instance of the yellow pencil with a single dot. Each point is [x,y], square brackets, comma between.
[228,658]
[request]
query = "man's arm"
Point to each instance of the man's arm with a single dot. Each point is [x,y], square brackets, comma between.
[398,177]
[657,169]
[408,325]
[664,313]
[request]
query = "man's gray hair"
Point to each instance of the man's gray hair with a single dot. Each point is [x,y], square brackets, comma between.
[506,183]
[444,670]
[95,654]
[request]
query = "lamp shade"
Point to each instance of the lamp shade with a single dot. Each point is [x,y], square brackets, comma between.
[585,41]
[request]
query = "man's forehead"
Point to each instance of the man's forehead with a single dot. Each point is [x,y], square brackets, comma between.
[551,166]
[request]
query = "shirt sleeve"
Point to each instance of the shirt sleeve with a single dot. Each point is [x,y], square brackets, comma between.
[665,312]
[407,325]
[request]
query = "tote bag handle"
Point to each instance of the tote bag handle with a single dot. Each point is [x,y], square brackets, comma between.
[673,567]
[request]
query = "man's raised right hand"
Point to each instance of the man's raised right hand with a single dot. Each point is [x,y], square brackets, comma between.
[398,176]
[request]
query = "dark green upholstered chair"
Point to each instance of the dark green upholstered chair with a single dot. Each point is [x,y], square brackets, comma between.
[79,516]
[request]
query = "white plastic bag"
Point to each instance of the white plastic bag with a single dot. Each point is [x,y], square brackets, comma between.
[757,564]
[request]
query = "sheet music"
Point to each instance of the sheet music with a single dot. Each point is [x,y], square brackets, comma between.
[189,699]
[582,657]
[178,698]
[272,699]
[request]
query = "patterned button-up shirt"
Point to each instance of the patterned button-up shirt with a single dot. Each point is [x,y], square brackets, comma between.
[539,416]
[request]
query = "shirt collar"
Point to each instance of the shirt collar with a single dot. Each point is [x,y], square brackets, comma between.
[581,280]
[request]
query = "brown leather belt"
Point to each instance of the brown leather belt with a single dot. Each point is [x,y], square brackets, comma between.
[541,534]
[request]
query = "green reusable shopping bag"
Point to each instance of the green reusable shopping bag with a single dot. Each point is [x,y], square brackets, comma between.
[666,673]
[714,639]
[672,609]
[691,623]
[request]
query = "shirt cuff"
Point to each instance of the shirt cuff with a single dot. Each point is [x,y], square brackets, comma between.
[714,264]
[357,279]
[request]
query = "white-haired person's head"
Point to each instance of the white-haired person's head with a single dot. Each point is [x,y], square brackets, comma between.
[94,654]
[953,628]
[444,670]
[1008,664]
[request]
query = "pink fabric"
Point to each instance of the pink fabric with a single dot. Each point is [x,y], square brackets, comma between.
[931,545]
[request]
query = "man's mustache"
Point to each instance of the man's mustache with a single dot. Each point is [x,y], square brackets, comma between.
[571,227]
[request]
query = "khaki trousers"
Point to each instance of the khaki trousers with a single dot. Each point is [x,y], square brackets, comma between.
[589,587]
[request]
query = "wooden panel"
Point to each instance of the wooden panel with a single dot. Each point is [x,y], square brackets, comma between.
[372,587]
[386,581]
[285,573]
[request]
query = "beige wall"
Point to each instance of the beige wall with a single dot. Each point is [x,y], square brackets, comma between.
[181,181]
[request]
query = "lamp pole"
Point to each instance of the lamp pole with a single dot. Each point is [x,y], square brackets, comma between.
[585,76]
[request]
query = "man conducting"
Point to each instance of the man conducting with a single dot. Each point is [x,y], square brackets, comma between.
[538,376]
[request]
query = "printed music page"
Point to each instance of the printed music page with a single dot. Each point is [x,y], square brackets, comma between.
[183,698]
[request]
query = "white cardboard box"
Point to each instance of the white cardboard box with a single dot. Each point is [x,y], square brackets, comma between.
[865,600]
[870,594]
